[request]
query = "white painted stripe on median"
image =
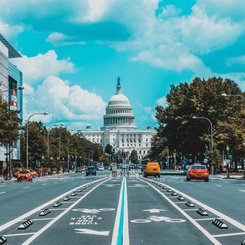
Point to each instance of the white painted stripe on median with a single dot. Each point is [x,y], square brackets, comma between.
[43,229]
[125,224]
[230,234]
[19,234]
[205,232]
[37,209]
[117,219]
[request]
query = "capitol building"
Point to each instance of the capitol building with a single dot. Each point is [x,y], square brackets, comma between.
[119,128]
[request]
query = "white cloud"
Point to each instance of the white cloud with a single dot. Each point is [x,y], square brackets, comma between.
[60,39]
[162,101]
[204,34]
[64,102]
[42,66]
[170,11]
[10,32]
[240,60]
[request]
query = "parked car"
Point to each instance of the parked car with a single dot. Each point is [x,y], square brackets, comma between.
[197,171]
[91,170]
[152,169]
[33,173]
[24,175]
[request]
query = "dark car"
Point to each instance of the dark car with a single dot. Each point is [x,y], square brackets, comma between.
[91,170]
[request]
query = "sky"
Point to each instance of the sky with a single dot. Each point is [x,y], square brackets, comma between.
[73,51]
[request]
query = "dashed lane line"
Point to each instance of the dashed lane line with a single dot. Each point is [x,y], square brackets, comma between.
[242,190]
[27,187]
[46,227]
[37,209]
[2,192]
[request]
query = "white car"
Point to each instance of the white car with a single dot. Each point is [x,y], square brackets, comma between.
[101,168]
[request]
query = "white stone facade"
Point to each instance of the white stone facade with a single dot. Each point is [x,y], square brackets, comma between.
[119,128]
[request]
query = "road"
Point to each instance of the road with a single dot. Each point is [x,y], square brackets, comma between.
[123,210]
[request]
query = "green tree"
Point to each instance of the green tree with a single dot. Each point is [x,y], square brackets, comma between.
[134,157]
[9,128]
[201,98]
[37,143]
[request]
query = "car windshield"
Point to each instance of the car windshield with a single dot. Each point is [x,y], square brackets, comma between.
[91,167]
[198,167]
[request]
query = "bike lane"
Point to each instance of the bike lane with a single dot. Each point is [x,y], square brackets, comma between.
[153,220]
[91,221]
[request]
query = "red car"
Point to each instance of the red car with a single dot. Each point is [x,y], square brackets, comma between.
[197,171]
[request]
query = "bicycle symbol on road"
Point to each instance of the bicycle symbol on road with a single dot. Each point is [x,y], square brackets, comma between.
[157,219]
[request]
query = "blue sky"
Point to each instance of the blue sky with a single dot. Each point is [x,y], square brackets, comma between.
[73,52]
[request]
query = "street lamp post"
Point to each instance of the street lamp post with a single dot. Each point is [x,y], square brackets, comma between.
[211,133]
[27,146]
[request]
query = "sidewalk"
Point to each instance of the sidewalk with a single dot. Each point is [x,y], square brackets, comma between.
[13,179]
[236,176]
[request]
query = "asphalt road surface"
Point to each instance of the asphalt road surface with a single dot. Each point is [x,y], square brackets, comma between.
[122,210]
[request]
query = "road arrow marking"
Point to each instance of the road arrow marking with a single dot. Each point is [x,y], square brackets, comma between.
[154,210]
[92,232]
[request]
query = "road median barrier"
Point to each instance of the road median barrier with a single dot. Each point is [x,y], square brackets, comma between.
[202,212]
[44,212]
[67,198]
[220,224]
[25,224]
[57,204]
[189,204]
[3,239]
[181,198]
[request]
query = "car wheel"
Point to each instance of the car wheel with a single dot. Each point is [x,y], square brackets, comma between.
[206,180]
[159,176]
[188,179]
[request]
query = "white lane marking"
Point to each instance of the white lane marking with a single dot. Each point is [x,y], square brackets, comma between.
[2,192]
[125,222]
[190,209]
[57,209]
[179,202]
[92,232]
[41,219]
[27,187]
[24,216]
[37,234]
[212,210]
[117,219]
[242,190]
[19,234]
[205,232]
[154,210]
[206,219]
[230,234]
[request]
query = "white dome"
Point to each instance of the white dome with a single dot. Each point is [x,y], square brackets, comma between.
[119,112]
[119,99]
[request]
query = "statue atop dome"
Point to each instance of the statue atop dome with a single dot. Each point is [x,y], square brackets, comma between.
[119,87]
